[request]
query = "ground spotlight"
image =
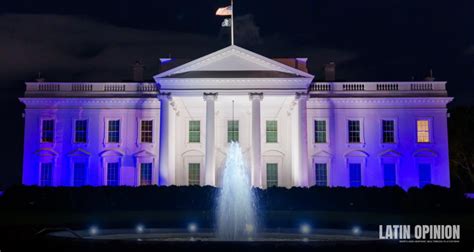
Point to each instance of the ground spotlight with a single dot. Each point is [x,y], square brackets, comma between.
[192,227]
[93,230]
[356,230]
[305,228]
[140,228]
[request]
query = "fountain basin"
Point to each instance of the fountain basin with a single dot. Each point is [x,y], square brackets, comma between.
[183,235]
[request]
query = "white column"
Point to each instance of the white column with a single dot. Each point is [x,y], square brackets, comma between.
[303,171]
[210,159]
[256,140]
[164,169]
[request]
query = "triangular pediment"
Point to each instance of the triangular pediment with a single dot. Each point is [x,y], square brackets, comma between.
[144,153]
[79,152]
[233,60]
[322,154]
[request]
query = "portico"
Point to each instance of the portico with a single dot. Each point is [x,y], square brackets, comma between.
[262,91]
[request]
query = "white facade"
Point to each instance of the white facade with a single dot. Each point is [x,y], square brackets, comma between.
[236,84]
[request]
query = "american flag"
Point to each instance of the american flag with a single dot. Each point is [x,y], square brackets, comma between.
[224,11]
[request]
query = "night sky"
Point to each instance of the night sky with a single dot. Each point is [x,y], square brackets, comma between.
[389,40]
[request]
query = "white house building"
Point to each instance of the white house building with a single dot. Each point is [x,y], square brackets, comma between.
[293,131]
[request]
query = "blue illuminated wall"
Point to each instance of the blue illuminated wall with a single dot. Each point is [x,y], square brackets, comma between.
[96,152]
[406,153]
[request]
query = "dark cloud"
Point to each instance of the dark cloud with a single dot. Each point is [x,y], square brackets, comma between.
[72,46]
[69,48]
[470,50]
[246,31]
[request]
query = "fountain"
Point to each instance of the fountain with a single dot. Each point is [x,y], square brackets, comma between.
[236,220]
[236,215]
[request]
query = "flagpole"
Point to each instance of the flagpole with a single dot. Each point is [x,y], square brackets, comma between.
[232,23]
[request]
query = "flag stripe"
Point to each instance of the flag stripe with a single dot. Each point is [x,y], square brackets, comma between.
[224,11]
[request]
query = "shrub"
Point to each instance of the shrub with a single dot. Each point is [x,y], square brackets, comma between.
[196,198]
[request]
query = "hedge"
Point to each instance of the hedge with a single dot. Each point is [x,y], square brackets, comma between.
[196,198]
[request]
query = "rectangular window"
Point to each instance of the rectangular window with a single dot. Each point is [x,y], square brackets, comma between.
[79,174]
[194,174]
[232,131]
[80,134]
[272,175]
[423,131]
[114,131]
[319,131]
[388,129]
[146,133]
[113,174]
[272,131]
[145,173]
[195,131]
[321,174]
[46,174]
[354,131]
[355,178]
[424,174]
[47,131]
[389,174]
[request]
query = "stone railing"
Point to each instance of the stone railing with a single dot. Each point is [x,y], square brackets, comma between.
[423,88]
[79,89]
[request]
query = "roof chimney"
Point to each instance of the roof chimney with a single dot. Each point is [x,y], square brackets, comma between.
[330,72]
[430,77]
[138,71]
[39,78]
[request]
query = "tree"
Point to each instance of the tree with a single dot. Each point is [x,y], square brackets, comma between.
[461,147]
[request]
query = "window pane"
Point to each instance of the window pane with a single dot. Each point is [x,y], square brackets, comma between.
[272,174]
[79,174]
[355,175]
[46,174]
[321,174]
[113,175]
[423,131]
[194,131]
[47,134]
[389,174]
[114,131]
[195,125]
[320,131]
[232,131]
[272,131]
[194,174]
[194,137]
[146,134]
[80,135]
[354,131]
[424,174]
[145,173]
[388,129]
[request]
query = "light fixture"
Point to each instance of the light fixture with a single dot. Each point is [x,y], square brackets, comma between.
[305,228]
[93,230]
[140,228]
[192,227]
[356,230]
